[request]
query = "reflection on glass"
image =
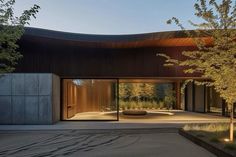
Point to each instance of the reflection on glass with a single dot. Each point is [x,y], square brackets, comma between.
[148,96]
[90,99]
[215,101]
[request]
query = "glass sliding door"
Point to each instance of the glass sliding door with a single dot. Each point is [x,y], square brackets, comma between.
[146,94]
[215,101]
[90,99]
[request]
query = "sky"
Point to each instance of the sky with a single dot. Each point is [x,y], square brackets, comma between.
[109,16]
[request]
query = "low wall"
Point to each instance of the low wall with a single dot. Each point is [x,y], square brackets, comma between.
[29,98]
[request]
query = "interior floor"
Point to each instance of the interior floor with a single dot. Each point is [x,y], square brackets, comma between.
[95,116]
[153,115]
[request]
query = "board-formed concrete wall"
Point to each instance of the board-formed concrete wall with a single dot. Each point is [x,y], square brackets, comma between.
[29,98]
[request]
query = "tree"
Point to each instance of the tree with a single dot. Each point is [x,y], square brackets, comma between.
[125,91]
[146,92]
[169,98]
[150,91]
[215,62]
[136,91]
[11,30]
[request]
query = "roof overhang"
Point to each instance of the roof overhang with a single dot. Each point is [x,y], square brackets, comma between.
[159,39]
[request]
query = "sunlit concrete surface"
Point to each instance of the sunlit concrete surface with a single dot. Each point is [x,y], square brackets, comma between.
[156,116]
[95,116]
[173,116]
[173,119]
[99,143]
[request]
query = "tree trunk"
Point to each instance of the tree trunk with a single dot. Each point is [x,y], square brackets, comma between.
[231,128]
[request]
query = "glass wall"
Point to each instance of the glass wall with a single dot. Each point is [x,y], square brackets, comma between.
[90,99]
[216,104]
[215,101]
[146,95]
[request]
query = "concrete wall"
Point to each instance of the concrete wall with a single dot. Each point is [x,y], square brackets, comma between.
[29,99]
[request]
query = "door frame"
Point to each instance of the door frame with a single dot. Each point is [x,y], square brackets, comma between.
[62,105]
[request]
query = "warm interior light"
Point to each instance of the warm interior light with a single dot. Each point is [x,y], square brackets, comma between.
[226,140]
[171,114]
[77,82]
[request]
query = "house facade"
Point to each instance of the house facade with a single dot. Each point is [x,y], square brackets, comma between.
[62,74]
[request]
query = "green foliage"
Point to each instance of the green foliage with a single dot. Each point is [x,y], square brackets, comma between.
[142,91]
[214,132]
[136,91]
[161,104]
[146,96]
[133,104]
[215,139]
[214,127]
[200,135]
[218,60]
[124,105]
[169,99]
[11,30]
[128,106]
[230,146]
[125,91]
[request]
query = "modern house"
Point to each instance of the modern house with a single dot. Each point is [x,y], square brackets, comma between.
[62,74]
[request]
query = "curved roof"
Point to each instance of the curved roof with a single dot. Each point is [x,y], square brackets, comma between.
[158,39]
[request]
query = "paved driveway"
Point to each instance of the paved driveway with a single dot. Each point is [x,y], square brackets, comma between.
[173,119]
[99,143]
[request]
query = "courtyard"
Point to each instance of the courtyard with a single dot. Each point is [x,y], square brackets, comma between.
[153,135]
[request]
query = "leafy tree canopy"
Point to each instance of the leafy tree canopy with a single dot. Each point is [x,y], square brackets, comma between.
[215,62]
[11,30]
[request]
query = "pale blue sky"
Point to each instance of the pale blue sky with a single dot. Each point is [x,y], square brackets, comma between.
[109,16]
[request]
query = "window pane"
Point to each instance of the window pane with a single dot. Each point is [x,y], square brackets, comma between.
[90,99]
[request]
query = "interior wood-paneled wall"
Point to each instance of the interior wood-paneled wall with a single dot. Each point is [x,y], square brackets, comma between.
[91,97]
[94,97]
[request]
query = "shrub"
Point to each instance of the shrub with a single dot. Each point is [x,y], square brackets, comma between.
[144,105]
[230,146]
[214,127]
[161,104]
[139,106]
[133,104]
[215,139]
[156,105]
[122,105]
[128,106]
[200,135]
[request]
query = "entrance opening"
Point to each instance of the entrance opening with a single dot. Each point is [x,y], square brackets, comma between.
[146,95]
[90,99]
[148,98]
[109,99]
